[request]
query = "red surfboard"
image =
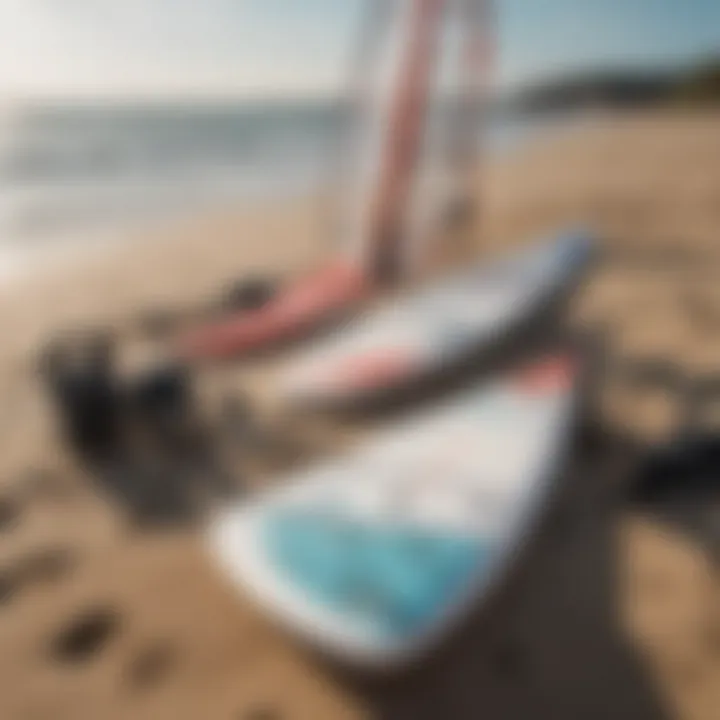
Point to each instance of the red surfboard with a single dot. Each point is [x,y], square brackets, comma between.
[333,290]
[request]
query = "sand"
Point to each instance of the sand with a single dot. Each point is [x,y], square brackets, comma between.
[165,636]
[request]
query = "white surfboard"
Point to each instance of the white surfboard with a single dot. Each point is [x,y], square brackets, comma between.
[374,556]
[436,326]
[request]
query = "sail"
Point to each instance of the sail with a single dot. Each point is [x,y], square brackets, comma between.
[445,181]
[387,131]
[395,79]
[419,77]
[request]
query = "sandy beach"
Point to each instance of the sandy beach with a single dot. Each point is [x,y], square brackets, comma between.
[163,635]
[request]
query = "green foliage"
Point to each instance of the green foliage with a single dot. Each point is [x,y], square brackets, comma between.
[698,85]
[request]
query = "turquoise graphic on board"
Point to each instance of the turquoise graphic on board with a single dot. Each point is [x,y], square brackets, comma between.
[393,578]
[374,556]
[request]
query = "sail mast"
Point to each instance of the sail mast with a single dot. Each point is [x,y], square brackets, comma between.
[403,138]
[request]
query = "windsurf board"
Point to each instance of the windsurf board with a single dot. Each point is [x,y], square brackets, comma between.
[426,331]
[374,556]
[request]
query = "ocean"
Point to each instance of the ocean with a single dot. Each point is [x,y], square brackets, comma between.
[82,174]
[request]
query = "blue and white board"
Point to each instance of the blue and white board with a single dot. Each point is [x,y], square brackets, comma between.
[439,325]
[373,556]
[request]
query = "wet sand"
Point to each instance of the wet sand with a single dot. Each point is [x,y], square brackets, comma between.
[611,614]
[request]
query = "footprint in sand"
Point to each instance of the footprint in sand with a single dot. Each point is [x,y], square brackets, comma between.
[86,635]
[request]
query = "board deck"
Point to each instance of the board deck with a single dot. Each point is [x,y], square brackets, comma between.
[373,556]
[436,326]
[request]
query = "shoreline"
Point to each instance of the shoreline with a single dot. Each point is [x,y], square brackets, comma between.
[20,257]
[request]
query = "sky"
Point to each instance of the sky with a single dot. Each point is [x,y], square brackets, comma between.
[279,47]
